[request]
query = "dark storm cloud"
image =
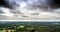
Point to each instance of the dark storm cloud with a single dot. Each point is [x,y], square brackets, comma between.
[4,4]
[57,3]
[51,3]
[29,4]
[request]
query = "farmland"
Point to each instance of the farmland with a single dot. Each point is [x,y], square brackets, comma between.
[30,27]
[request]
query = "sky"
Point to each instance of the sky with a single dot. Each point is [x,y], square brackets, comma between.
[30,10]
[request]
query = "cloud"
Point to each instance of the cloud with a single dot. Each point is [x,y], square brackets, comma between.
[28,15]
[23,10]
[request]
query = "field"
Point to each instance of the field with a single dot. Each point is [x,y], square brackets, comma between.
[30,27]
[2,31]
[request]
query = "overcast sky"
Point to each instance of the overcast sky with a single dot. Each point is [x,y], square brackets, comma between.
[30,10]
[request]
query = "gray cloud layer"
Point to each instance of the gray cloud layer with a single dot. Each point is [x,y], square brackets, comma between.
[29,10]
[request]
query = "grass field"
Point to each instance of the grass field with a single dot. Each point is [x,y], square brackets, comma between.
[2,31]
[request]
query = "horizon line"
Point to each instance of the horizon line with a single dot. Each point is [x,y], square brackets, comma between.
[29,20]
